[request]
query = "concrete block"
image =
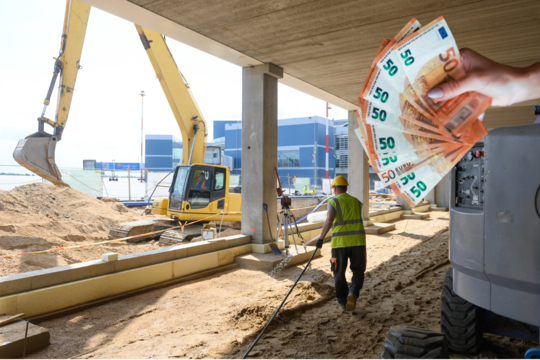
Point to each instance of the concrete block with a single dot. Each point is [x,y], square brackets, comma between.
[179,252]
[136,260]
[194,264]
[436,208]
[12,339]
[261,248]
[108,257]
[59,297]
[422,208]
[227,256]
[8,304]
[239,240]
[415,216]
[267,262]
[71,273]
[198,248]
[386,217]
[218,244]
[378,228]
[62,296]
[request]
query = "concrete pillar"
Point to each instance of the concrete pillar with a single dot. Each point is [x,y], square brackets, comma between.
[358,167]
[259,149]
[401,202]
[442,192]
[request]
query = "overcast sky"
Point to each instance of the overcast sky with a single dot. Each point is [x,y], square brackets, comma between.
[105,117]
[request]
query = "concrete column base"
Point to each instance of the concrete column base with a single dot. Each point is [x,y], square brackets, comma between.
[267,262]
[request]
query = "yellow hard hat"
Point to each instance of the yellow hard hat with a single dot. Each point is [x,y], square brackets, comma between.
[339,181]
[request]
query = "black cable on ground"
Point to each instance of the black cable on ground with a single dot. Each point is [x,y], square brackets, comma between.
[279,308]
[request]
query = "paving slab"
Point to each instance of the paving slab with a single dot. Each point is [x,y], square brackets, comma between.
[267,262]
[12,339]
[416,216]
[436,208]
[379,228]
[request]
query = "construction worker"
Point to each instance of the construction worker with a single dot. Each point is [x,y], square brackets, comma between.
[203,183]
[314,192]
[306,192]
[344,217]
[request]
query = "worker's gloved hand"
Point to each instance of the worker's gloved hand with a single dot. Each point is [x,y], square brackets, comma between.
[319,243]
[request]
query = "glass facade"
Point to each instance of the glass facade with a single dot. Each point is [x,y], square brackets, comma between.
[162,152]
[301,149]
[177,152]
[288,158]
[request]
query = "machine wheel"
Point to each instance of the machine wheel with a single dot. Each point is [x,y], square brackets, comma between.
[460,320]
[402,342]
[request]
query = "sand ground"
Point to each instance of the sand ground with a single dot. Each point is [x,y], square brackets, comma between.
[220,315]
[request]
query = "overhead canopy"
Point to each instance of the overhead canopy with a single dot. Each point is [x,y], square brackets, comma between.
[326,47]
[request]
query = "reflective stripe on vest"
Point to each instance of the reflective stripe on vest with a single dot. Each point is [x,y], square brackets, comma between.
[348,226]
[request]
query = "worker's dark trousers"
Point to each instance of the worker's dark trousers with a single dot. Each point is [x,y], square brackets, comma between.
[357,256]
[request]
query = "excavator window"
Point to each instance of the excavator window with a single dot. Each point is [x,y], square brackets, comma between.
[220,180]
[179,185]
[201,185]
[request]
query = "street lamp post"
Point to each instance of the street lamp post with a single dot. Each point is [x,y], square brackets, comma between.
[142,117]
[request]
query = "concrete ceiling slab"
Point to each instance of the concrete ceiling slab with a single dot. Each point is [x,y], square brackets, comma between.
[326,47]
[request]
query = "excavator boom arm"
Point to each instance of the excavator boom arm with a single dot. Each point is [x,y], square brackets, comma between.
[181,100]
[37,151]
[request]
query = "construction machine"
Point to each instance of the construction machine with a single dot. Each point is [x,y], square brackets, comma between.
[199,191]
[493,286]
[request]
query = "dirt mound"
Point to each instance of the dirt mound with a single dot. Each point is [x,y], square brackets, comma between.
[41,210]
[39,216]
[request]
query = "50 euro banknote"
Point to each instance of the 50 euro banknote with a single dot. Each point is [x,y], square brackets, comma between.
[390,72]
[383,140]
[385,160]
[430,57]
[416,185]
[375,114]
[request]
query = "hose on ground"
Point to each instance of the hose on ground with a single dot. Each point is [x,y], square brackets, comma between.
[314,210]
[282,303]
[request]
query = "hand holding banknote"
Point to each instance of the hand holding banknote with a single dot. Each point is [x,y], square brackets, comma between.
[411,140]
[506,85]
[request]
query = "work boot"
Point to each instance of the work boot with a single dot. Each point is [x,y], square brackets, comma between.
[351,302]
[341,307]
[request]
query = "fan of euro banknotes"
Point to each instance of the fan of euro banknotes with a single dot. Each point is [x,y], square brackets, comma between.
[413,141]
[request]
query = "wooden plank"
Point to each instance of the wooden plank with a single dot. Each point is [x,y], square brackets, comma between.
[12,339]
[6,319]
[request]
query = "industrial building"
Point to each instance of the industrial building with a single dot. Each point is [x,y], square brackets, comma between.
[301,148]
[300,141]
[162,152]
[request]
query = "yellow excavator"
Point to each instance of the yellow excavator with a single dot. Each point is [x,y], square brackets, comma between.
[199,191]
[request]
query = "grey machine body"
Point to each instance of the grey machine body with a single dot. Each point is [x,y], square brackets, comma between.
[495,224]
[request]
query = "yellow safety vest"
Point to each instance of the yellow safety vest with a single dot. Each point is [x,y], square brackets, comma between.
[348,227]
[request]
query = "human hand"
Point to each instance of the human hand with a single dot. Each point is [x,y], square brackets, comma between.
[319,244]
[506,85]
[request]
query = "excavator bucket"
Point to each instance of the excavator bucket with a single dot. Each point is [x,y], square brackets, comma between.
[36,153]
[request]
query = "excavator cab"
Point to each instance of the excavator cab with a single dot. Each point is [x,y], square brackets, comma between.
[198,189]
